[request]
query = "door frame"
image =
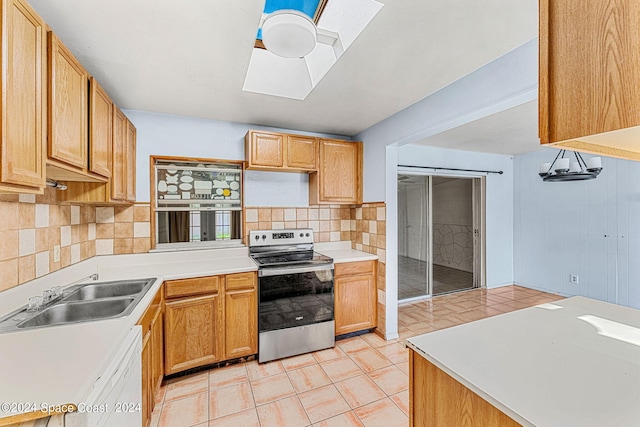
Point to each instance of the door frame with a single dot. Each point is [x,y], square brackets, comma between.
[479,199]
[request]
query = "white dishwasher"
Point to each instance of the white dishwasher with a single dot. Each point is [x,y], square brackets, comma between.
[116,397]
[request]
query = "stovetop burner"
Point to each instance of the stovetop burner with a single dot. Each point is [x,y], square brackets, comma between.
[290,258]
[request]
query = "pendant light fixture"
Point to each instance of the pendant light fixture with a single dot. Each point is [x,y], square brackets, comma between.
[563,169]
[289,33]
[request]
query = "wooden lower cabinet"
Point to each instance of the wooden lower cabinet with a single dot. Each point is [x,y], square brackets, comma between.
[210,319]
[438,400]
[241,315]
[193,332]
[147,405]
[152,355]
[355,296]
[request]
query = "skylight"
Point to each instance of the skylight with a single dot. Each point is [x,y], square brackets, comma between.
[339,23]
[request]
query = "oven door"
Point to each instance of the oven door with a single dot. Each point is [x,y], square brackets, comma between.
[290,297]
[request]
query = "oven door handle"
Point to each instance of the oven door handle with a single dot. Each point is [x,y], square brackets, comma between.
[292,270]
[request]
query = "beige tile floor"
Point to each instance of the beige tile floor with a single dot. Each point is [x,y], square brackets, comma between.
[361,382]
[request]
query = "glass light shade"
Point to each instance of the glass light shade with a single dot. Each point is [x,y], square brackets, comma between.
[562,164]
[575,167]
[289,33]
[544,167]
[594,162]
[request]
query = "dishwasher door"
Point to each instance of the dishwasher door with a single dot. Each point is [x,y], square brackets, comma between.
[116,399]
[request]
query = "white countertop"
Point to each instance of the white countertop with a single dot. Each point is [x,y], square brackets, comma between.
[59,365]
[342,252]
[575,362]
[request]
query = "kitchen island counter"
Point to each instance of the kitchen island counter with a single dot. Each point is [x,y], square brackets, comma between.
[573,362]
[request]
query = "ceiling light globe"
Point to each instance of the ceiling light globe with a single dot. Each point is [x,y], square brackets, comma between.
[289,33]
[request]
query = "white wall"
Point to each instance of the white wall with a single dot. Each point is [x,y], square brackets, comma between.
[588,228]
[506,82]
[170,135]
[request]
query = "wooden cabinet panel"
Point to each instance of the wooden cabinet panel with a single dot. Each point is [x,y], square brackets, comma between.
[355,297]
[265,149]
[589,81]
[146,378]
[280,152]
[190,287]
[192,332]
[241,323]
[240,281]
[100,130]
[68,105]
[157,354]
[339,176]
[131,162]
[119,162]
[302,152]
[437,399]
[22,165]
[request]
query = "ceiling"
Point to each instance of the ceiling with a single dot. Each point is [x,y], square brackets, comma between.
[190,57]
[512,131]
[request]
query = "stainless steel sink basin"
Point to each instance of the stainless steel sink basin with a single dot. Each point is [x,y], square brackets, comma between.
[81,303]
[107,290]
[73,312]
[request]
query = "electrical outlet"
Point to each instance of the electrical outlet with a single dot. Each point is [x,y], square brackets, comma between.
[574,278]
[56,253]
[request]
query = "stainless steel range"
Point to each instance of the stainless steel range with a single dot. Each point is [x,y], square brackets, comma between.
[295,288]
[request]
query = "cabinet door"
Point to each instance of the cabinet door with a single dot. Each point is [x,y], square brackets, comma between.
[241,315]
[100,130]
[302,152]
[24,108]
[355,303]
[146,379]
[589,74]
[265,149]
[119,168]
[193,333]
[131,162]
[157,354]
[339,176]
[68,105]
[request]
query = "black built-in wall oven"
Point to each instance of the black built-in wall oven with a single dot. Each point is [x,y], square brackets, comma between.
[295,287]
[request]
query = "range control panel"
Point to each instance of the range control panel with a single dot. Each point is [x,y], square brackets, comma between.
[290,236]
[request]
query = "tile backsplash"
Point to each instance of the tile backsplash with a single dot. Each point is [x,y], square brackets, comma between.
[33,225]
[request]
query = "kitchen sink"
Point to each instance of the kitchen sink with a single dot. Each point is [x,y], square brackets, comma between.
[107,290]
[73,312]
[81,303]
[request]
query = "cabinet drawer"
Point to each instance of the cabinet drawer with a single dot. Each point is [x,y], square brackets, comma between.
[195,286]
[240,281]
[349,268]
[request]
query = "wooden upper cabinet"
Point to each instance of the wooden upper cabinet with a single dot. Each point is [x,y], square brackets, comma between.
[280,152]
[339,176]
[68,106]
[119,168]
[131,162]
[22,167]
[589,87]
[302,152]
[264,149]
[100,130]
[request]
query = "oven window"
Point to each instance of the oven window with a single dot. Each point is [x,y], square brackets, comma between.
[295,300]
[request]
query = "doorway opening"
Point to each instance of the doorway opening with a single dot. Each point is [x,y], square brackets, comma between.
[440,235]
